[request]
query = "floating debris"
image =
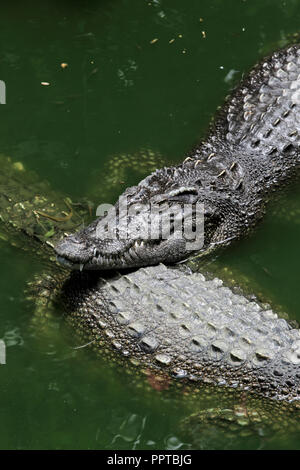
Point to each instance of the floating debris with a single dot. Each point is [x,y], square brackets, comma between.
[18,166]
[161,14]
[64,65]
[95,70]
[154,41]
[45,83]
[171,41]
[230,75]
[203,34]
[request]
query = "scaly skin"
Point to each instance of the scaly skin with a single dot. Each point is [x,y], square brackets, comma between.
[180,325]
[252,150]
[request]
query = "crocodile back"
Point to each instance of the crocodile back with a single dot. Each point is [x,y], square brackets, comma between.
[262,116]
[180,324]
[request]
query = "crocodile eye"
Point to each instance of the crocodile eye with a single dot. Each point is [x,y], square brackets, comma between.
[183,194]
[183,190]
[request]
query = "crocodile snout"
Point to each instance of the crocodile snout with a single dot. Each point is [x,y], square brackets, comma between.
[72,250]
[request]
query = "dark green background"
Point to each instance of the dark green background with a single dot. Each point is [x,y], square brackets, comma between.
[119,93]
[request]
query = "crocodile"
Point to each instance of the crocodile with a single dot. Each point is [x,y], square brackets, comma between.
[167,320]
[245,340]
[177,321]
[251,151]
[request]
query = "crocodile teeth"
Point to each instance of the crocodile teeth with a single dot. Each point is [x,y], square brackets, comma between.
[127,257]
[132,252]
[96,253]
[81,266]
[139,243]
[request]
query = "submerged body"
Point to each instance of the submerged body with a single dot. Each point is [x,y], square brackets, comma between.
[251,150]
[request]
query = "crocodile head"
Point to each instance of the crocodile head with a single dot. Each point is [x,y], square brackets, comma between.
[159,220]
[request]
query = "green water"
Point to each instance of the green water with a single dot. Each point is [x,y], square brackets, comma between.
[120,92]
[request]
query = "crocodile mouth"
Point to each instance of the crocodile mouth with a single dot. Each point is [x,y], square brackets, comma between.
[126,254]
